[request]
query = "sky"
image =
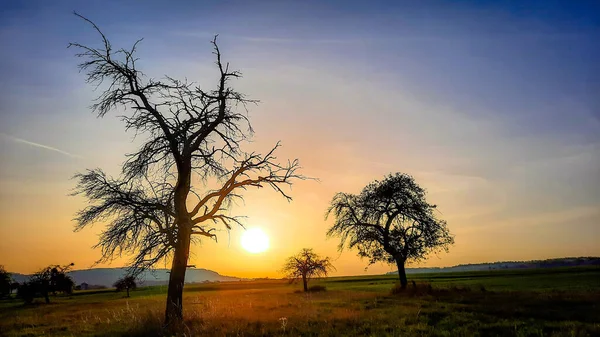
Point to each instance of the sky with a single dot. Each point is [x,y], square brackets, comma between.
[492,106]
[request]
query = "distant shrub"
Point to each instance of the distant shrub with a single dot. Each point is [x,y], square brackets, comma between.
[5,282]
[126,283]
[317,288]
[27,291]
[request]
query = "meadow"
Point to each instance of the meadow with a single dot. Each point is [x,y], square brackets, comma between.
[538,302]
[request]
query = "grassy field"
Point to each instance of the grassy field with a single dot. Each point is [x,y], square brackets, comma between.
[542,302]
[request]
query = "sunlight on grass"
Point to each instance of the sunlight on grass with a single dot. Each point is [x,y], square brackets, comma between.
[470,304]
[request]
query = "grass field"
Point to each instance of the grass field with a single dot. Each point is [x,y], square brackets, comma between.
[542,302]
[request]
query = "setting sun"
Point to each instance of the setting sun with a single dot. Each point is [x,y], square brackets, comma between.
[255,240]
[299,168]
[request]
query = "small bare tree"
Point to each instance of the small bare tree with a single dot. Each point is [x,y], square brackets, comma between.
[389,221]
[51,279]
[307,265]
[154,210]
[127,283]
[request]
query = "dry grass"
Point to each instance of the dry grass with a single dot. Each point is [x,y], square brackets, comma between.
[210,312]
[273,308]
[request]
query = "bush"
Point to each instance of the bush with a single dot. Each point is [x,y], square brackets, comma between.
[5,283]
[26,292]
[317,288]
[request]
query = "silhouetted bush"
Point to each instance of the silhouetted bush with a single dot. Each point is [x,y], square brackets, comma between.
[51,279]
[28,291]
[5,282]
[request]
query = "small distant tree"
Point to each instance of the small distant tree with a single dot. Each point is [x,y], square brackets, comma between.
[5,282]
[126,283]
[307,265]
[51,279]
[60,281]
[389,221]
[28,290]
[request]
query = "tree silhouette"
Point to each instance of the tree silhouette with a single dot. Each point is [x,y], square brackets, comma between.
[5,282]
[51,279]
[126,283]
[306,265]
[389,221]
[160,204]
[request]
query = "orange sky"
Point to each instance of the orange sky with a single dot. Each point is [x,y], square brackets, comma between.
[40,212]
[504,140]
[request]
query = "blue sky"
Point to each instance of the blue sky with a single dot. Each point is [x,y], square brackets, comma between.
[492,105]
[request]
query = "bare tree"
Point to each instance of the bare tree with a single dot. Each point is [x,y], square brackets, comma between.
[389,221]
[154,210]
[5,282]
[306,265]
[51,279]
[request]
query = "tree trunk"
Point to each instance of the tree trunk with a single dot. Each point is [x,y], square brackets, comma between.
[174,311]
[401,273]
[45,285]
[305,283]
[127,291]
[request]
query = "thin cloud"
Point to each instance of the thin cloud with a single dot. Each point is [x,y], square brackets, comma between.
[42,146]
[439,37]
[282,40]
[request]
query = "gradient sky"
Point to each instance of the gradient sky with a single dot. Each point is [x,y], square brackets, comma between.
[493,106]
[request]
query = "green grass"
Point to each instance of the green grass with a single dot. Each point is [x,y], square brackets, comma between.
[542,302]
[553,279]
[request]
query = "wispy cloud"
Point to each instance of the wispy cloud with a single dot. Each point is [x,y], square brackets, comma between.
[284,40]
[42,146]
[372,39]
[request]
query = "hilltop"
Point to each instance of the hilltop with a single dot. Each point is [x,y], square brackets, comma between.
[107,276]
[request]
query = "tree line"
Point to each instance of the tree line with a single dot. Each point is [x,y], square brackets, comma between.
[51,280]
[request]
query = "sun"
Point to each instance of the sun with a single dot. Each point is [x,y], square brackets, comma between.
[254,240]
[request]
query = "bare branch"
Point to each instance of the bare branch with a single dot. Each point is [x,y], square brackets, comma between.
[189,132]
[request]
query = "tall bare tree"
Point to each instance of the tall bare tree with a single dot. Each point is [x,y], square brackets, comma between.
[154,210]
[306,265]
[389,221]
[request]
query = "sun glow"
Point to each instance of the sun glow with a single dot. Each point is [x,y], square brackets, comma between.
[255,240]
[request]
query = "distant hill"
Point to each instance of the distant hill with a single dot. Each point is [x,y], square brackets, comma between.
[108,276]
[550,263]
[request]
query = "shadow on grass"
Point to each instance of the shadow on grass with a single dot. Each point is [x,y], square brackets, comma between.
[555,306]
